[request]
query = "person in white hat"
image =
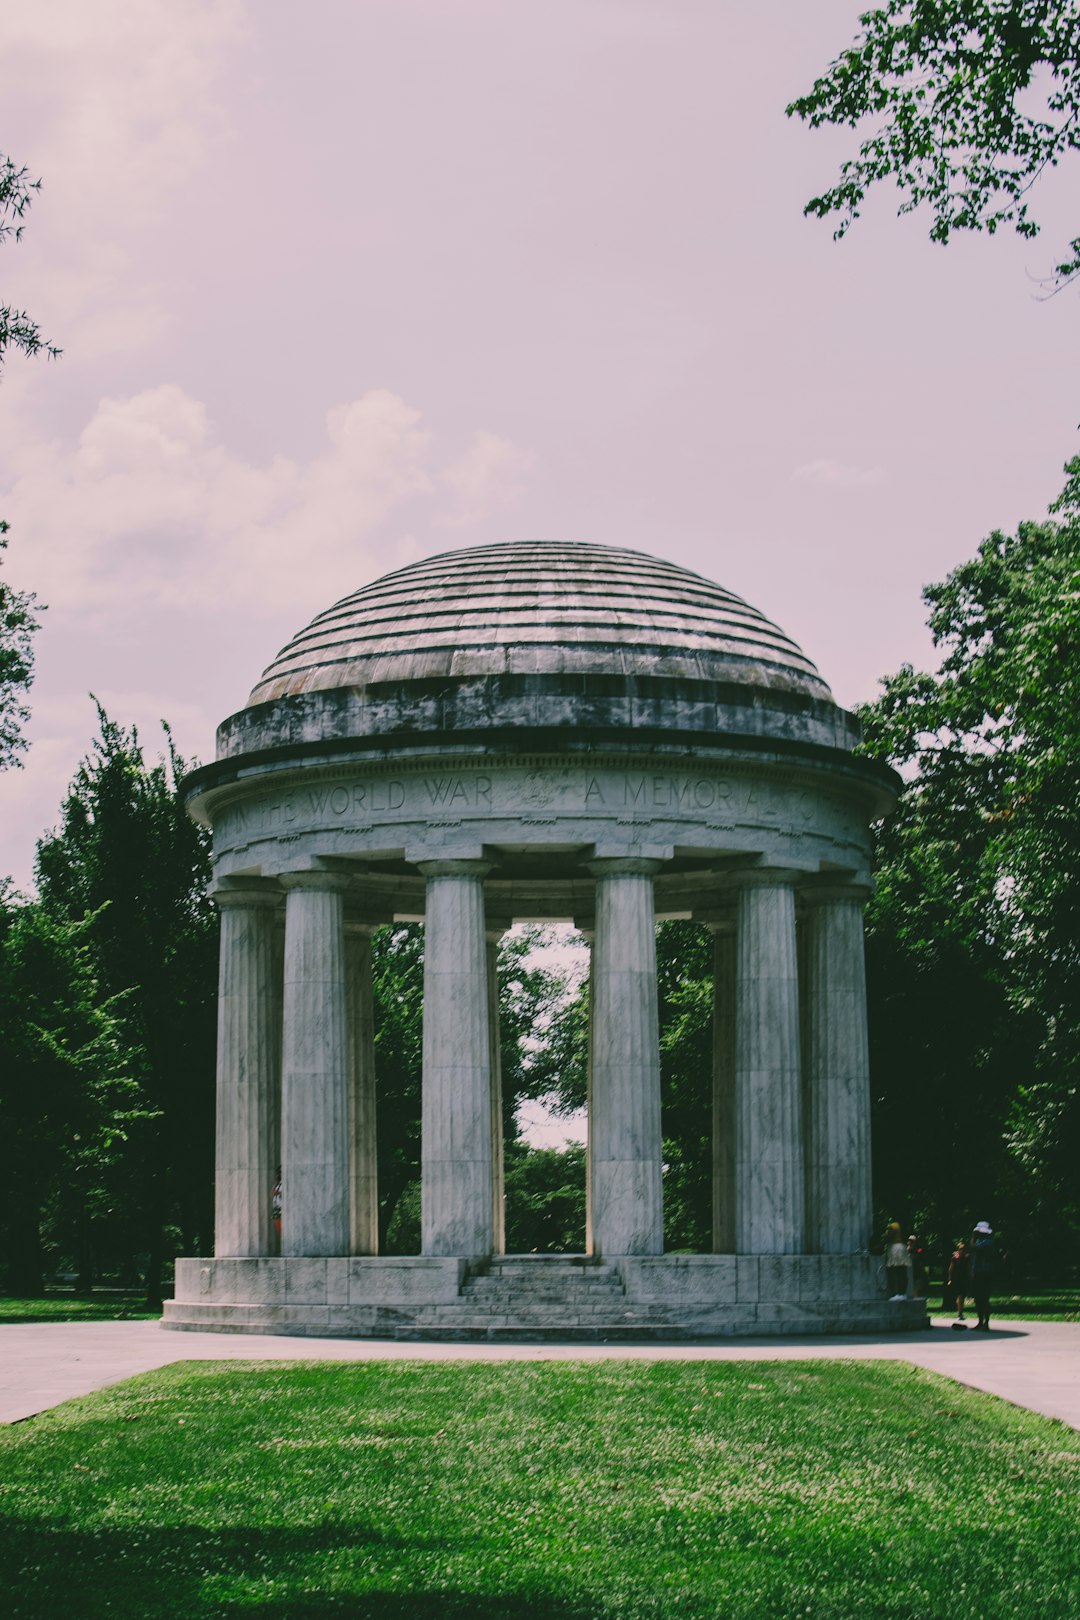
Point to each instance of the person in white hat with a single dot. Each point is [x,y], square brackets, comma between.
[983,1259]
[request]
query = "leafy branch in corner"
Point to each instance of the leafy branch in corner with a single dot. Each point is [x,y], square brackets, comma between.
[973,101]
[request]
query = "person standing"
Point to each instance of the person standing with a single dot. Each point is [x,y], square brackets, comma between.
[959,1279]
[917,1261]
[897,1263]
[983,1263]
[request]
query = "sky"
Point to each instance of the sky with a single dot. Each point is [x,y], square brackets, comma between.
[343,284]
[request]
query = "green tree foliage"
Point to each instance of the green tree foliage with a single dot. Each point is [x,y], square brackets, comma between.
[18,609]
[685,982]
[17,192]
[128,857]
[68,1103]
[18,621]
[685,997]
[543,1051]
[974,932]
[545,1199]
[397,973]
[970,102]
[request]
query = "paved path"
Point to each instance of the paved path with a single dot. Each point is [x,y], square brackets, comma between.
[1033,1364]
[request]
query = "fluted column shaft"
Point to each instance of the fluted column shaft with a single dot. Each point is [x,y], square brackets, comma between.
[457,1185]
[624,1121]
[723,1090]
[315,1071]
[770,1198]
[363,1138]
[836,1065]
[248,1075]
[498,1205]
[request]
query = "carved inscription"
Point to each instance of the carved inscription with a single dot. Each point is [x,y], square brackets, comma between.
[468,792]
[714,801]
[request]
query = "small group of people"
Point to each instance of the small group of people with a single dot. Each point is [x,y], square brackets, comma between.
[905,1264]
[970,1271]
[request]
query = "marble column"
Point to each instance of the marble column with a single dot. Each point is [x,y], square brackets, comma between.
[836,1072]
[769,1185]
[315,1069]
[457,1173]
[248,1073]
[498,1168]
[723,1089]
[624,1121]
[363,1138]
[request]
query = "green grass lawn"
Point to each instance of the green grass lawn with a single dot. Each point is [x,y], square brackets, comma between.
[1022,1305]
[1040,1305]
[478,1491]
[106,1305]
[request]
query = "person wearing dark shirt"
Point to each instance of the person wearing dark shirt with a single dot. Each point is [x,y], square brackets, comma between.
[983,1259]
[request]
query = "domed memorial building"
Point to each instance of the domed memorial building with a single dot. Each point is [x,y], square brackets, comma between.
[542,731]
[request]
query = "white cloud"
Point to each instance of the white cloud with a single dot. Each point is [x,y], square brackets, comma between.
[837,474]
[150,507]
[489,475]
[116,106]
[126,94]
[173,566]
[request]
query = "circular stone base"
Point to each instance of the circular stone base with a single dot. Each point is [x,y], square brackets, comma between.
[537,1297]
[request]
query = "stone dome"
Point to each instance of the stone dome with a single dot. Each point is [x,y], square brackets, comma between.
[540,608]
[543,644]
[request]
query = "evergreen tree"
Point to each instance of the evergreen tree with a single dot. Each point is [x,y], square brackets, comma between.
[68,1102]
[127,857]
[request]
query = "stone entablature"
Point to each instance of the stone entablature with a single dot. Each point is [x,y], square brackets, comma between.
[806,817]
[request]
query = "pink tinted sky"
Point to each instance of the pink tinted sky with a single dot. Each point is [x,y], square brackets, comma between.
[345,283]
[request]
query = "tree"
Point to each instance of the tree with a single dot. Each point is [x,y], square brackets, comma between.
[684,964]
[952,87]
[67,1099]
[976,917]
[127,856]
[545,1199]
[18,609]
[542,1049]
[18,621]
[17,192]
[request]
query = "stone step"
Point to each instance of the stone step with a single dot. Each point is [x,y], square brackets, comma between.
[576,1271]
[490,1288]
[612,1310]
[599,1333]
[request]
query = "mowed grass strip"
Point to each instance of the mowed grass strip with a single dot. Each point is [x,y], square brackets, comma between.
[529,1489]
[103,1307]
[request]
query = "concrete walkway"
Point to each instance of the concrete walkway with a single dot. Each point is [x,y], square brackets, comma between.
[1033,1364]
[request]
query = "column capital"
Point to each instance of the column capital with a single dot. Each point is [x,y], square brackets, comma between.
[316,882]
[466,867]
[624,866]
[768,877]
[252,894]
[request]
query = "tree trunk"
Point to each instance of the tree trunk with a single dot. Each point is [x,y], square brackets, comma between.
[26,1261]
[84,1259]
[153,1268]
